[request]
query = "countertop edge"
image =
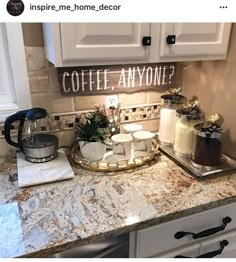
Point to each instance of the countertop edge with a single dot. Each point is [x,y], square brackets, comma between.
[129,228]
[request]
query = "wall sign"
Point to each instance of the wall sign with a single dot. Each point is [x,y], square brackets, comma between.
[79,81]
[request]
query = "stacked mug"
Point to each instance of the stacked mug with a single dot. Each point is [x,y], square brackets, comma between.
[134,136]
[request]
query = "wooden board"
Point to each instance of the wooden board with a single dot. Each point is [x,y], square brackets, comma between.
[79,81]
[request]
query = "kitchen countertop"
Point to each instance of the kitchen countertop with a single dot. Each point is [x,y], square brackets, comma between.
[94,206]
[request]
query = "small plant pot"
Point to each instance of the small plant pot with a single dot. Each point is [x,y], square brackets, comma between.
[93,151]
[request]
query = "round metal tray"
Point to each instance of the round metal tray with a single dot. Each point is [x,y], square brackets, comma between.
[115,163]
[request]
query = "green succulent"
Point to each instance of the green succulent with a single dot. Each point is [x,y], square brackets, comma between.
[94,129]
[99,119]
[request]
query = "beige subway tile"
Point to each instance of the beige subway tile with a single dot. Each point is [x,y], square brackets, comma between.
[155,96]
[35,57]
[42,100]
[54,85]
[66,138]
[39,81]
[133,99]
[61,105]
[88,102]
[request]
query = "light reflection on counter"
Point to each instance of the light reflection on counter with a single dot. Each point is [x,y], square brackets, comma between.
[131,220]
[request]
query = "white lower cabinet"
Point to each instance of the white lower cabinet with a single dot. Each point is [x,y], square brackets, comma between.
[220,242]
[190,236]
[190,251]
[223,246]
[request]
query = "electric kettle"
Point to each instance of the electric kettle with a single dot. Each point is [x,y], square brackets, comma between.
[37,147]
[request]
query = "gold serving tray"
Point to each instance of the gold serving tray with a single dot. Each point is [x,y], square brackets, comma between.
[115,163]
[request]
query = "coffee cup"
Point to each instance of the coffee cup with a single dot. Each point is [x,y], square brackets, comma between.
[131,128]
[143,141]
[121,144]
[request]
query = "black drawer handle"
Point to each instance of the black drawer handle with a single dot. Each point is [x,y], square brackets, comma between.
[211,254]
[205,233]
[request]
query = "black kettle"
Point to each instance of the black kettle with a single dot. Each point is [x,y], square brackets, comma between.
[37,147]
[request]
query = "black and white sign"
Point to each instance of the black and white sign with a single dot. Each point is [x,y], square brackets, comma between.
[77,81]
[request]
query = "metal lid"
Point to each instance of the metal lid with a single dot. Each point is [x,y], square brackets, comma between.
[189,114]
[40,141]
[208,130]
[173,99]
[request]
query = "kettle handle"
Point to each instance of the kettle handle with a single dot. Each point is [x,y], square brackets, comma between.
[7,127]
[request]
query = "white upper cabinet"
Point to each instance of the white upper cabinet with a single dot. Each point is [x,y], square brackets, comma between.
[194,40]
[86,41]
[74,44]
[77,44]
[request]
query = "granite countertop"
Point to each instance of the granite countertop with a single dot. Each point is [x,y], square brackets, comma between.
[94,206]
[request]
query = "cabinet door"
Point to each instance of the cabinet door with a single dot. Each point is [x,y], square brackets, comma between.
[162,238]
[195,39]
[190,251]
[214,244]
[91,41]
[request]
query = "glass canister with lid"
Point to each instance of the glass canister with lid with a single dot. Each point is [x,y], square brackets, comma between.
[187,118]
[171,102]
[207,143]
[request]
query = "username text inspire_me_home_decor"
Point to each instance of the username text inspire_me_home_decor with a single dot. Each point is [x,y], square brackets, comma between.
[98,80]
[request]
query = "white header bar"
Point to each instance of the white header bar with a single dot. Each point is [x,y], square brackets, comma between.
[118,11]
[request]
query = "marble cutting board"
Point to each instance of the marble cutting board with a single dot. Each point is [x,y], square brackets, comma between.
[39,173]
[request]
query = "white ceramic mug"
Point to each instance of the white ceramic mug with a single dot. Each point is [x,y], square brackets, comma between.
[143,141]
[131,128]
[121,144]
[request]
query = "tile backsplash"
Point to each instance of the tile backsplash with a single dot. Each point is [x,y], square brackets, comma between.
[67,121]
[64,112]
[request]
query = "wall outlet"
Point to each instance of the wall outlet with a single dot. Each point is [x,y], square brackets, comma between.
[112,101]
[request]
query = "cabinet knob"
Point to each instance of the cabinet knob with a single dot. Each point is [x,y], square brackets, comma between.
[170,39]
[147,40]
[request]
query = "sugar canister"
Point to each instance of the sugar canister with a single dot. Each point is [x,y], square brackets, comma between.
[171,102]
[187,118]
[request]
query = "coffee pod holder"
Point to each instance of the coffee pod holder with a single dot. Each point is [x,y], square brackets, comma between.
[115,163]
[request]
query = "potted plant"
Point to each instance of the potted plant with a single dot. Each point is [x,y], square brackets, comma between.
[91,135]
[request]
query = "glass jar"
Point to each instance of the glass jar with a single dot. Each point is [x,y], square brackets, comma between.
[206,147]
[171,103]
[184,131]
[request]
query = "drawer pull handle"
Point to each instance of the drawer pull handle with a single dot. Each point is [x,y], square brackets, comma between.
[211,254]
[205,233]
